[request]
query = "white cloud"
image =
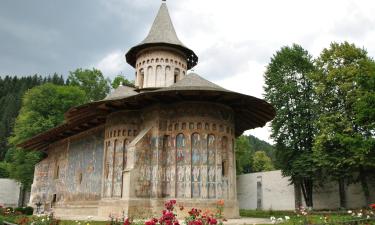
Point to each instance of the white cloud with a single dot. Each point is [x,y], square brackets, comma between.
[112,64]
[235,40]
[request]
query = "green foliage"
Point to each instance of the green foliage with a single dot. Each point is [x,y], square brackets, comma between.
[261,162]
[91,81]
[11,91]
[290,90]
[245,148]
[121,79]
[43,108]
[244,154]
[345,84]
[4,170]
[25,210]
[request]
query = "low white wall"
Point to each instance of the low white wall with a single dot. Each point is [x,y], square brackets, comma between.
[9,192]
[276,191]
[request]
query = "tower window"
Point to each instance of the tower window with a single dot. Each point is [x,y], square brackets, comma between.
[57,172]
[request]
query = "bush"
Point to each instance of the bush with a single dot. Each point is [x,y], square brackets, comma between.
[25,210]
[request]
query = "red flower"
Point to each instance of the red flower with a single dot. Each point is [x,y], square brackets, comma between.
[127,222]
[372,206]
[170,204]
[212,221]
[150,222]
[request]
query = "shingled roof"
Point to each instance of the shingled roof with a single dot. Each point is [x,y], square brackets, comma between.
[193,82]
[250,112]
[162,33]
[122,91]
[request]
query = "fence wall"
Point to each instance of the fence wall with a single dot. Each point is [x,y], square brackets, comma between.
[270,190]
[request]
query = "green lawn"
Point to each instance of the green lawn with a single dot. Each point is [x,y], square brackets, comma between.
[314,217]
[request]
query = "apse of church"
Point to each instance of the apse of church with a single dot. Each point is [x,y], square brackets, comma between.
[191,155]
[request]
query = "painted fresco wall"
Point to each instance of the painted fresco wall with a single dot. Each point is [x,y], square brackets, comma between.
[120,130]
[188,154]
[84,172]
[72,171]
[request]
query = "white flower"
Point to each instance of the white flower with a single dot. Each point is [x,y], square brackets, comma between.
[350,211]
[359,215]
[368,217]
[272,218]
[287,218]
[43,220]
[280,219]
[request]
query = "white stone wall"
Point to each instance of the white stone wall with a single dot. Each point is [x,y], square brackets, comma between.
[276,192]
[9,192]
[159,68]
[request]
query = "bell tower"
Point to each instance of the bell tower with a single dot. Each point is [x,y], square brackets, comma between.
[161,59]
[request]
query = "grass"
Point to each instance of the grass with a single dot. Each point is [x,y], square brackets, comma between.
[265,213]
[73,222]
[315,217]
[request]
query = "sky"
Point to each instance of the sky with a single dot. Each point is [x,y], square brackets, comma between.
[234,40]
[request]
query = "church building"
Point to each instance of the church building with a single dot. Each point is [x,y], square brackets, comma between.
[170,137]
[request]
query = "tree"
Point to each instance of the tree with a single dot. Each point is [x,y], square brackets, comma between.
[121,79]
[344,145]
[290,90]
[43,108]
[244,154]
[261,162]
[91,81]
[11,91]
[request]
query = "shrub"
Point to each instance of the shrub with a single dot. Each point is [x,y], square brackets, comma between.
[28,210]
[25,210]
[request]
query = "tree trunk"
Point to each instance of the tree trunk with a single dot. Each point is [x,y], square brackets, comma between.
[364,184]
[342,193]
[297,195]
[307,188]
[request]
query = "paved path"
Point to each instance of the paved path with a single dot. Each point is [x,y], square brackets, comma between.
[248,221]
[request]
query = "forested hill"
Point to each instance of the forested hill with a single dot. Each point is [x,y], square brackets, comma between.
[254,155]
[260,145]
[12,88]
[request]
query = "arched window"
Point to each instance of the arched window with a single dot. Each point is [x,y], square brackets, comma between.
[176,75]
[149,76]
[141,78]
[159,81]
[168,74]
[57,171]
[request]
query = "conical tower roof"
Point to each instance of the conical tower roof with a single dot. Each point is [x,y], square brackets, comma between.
[162,33]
